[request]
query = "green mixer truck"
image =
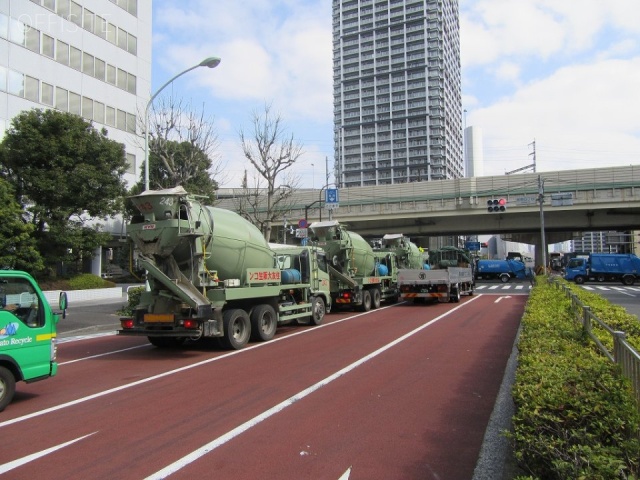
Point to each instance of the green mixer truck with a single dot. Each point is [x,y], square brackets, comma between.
[361,277]
[211,274]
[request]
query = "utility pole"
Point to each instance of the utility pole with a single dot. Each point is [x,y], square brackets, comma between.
[543,242]
[533,154]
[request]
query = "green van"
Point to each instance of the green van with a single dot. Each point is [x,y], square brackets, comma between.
[27,332]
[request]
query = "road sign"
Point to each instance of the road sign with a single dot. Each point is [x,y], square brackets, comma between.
[302,233]
[473,246]
[331,198]
[526,200]
[302,223]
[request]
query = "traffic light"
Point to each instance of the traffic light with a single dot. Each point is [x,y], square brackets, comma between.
[497,205]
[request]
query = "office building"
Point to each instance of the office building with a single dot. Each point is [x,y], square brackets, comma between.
[397,91]
[88,57]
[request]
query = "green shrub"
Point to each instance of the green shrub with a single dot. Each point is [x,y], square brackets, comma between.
[576,416]
[134,300]
[86,281]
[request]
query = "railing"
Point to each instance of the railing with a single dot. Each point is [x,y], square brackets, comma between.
[623,354]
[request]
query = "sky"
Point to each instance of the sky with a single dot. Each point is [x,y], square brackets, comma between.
[558,77]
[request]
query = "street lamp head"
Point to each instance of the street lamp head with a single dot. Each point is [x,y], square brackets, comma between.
[211,62]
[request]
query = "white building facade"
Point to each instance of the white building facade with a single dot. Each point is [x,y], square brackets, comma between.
[397,91]
[88,57]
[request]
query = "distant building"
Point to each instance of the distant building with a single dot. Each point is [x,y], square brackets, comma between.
[397,91]
[88,57]
[473,152]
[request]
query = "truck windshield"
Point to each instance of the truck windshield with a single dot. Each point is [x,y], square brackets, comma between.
[18,297]
[575,262]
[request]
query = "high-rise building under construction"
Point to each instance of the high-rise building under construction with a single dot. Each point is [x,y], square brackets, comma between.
[397,91]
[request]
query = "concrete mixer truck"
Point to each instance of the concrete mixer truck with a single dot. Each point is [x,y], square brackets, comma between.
[360,278]
[212,274]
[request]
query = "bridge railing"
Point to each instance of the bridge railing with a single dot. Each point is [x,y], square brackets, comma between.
[623,354]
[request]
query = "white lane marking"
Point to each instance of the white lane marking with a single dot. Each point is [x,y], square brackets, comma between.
[88,336]
[209,447]
[34,456]
[346,475]
[500,298]
[181,369]
[103,354]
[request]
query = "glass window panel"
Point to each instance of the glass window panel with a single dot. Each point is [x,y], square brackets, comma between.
[122,39]
[32,39]
[16,31]
[87,64]
[3,78]
[131,83]
[110,116]
[100,69]
[111,33]
[62,52]
[15,83]
[4,26]
[48,46]
[101,27]
[98,112]
[122,79]
[121,120]
[62,8]
[87,108]
[62,99]
[75,105]
[131,123]
[111,74]
[75,13]
[132,45]
[88,21]
[132,7]
[75,58]
[131,163]
[50,4]
[47,94]
[31,89]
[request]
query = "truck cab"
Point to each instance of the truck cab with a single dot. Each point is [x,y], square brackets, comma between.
[27,333]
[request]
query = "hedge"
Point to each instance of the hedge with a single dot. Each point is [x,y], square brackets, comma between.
[575,415]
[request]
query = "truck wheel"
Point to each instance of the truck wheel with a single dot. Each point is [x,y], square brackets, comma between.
[7,387]
[504,277]
[263,323]
[375,298]
[366,301]
[455,295]
[237,328]
[165,342]
[579,279]
[628,279]
[318,310]
[600,278]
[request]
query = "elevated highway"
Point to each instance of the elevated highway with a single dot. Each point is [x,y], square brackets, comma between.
[602,199]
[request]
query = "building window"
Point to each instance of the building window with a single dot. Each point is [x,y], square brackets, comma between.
[88,21]
[32,39]
[31,89]
[121,120]
[3,78]
[50,4]
[16,31]
[75,105]
[101,27]
[48,46]
[111,74]
[110,116]
[131,163]
[122,79]
[62,99]
[75,13]
[46,94]
[88,64]
[122,39]
[62,52]
[100,68]
[132,44]
[111,33]
[75,58]
[62,8]
[98,112]
[131,123]
[131,83]
[15,84]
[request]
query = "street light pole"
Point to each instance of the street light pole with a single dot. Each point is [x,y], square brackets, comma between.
[210,62]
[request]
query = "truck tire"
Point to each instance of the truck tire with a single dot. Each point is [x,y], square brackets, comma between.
[7,387]
[318,309]
[628,279]
[376,297]
[366,301]
[505,277]
[579,279]
[237,328]
[455,295]
[601,278]
[264,322]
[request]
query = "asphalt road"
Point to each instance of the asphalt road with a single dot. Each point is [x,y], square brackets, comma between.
[90,317]
[405,392]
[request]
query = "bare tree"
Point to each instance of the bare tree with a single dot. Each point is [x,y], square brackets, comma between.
[271,151]
[183,148]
